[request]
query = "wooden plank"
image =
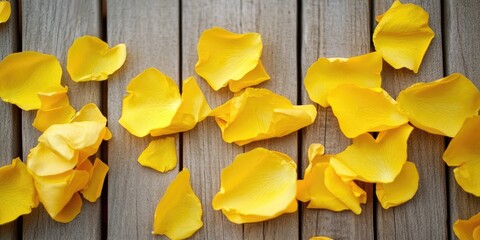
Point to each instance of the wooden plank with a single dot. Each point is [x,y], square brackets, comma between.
[425,216]
[51,27]
[333,28]
[150,29]
[9,113]
[462,54]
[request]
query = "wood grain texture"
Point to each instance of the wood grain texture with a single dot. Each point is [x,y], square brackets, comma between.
[333,28]
[462,54]
[9,113]
[51,27]
[150,31]
[425,216]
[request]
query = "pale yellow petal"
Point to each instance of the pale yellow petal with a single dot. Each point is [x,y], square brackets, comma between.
[89,112]
[402,189]
[254,77]
[44,161]
[55,109]
[465,146]
[95,184]
[161,155]
[467,229]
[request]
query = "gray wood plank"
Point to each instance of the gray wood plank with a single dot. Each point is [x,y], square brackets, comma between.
[51,27]
[333,29]
[150,29]
[425,216]
[462,54]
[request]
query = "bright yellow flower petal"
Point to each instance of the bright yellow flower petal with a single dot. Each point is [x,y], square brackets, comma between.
[441,107]
[55,108]
[402,189]
[44,161]
[17,192]
[258,114]
[327,73]
[361,110]
[394,4]
[95,184]
[402,36]
[160,155]
[23,75]
[465,229]
[179,212]
[467,176]
[465,146]
[225,57]
[348,192]
[259,183]
[5,11]
[320,238]
[89,112]
[71,210]
[90,58]
[372,160]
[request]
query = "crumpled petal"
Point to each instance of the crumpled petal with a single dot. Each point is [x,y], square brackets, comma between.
[160,155]
[89,58]
[467,229]
[402,35]
[230,58]
[361,110]
[465,146]
[5,11]
[95,184]
[25,74]
[179,212]
[327,73]
[402,189]
[257,186]
[257,114]
[440,107]
[71,210]
[467,176]
[17,192]
[154,105]
[55,108]
[372,160]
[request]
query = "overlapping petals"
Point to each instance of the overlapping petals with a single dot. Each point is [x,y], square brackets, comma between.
[258,114]
[23,75]
[154,105]
[226,58]
[360,110]
[17,191]
[402,189]
[468,229]
[179,212]
[160,155]
[98,172]
[89,58]
[55,108]
[327,73]
[403,35]
[257,186]
[5,11]
[441,107]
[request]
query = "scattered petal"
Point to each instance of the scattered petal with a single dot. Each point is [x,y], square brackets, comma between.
[402,35]
[320,238]
[71,210]
[257,186]
[89,58]
[5,11]
[467,229]
[160,155]
[179,212]
[327,73]
[361,110]
[402,189]
[95,184]
[465,146]
[467,176]
[257,114]
[25,74]
[55,109]
[254,77]
[430,106]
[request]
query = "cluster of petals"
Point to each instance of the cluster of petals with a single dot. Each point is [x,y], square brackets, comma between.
[54,108]
[468,229]
[257,114]
[258,185]
[226,58]
[5,11]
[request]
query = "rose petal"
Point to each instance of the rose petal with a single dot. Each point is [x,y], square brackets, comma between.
[160,155]
[89,58]
[402,189]
[465,146]
[254,77]
[44,161]
[430,106]
[327,73]
[402,35]
[55,108]
[95,184]
[467,176]
[320,238]
[361,110]
[71,210]
[179,212]
[466,229]
[5,11]
[89,112]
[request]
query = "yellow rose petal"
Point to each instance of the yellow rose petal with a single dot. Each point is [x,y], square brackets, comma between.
[225,57]
[55,108]
[466,229]
[44,161]
[5,11]
[89,112]
[179,213]
[348,192]
[160,155]
[89,58]
[17,191]
[320,238]
[25,74]
[258,114]
[361,110]
[467,176]
[402,189]
[441,107]
[402,35]
[71,210]
[327,73]
[257,186]
[372,160]
[465,146]
[95,184]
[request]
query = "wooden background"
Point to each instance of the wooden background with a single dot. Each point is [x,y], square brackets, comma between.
[164,34]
